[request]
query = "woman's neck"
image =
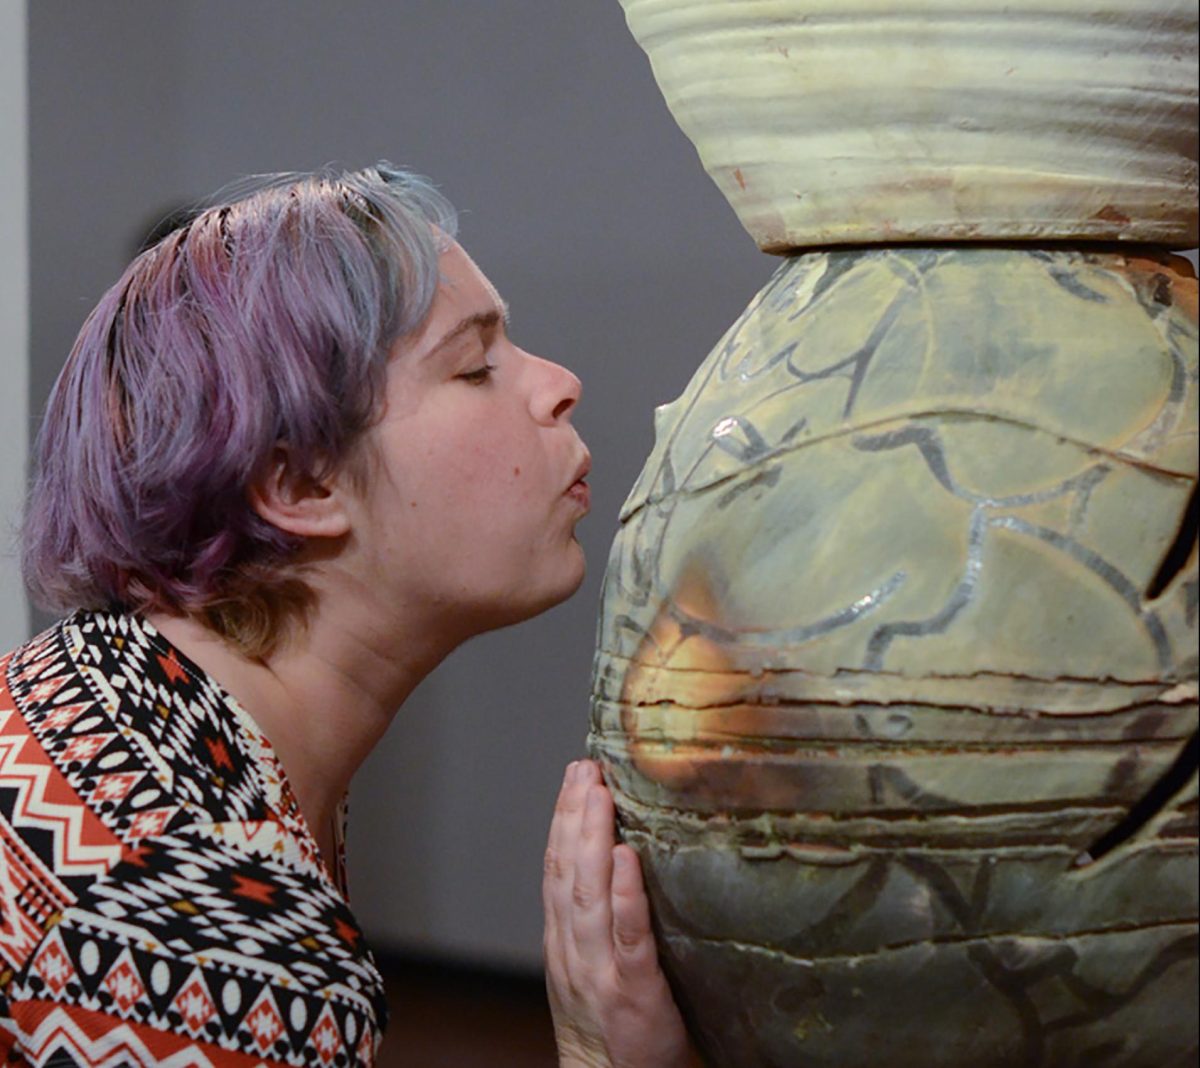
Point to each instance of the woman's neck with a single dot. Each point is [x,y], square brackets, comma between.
[323,697]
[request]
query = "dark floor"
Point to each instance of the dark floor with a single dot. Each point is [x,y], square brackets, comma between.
[450,1016]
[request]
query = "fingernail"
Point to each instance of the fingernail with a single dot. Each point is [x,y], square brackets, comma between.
[569,777]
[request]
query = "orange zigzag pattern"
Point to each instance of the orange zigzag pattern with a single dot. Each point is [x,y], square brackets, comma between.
[83,845]
[53,1033]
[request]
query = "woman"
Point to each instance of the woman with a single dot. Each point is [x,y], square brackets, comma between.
[292,462]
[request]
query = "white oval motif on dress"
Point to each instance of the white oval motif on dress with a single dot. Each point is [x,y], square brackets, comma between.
[160,977]
[144,797]
[89,957]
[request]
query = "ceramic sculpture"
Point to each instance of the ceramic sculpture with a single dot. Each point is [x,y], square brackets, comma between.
[896,679]
[834,121]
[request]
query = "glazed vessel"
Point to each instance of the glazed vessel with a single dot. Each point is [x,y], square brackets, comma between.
[882,661]
[828,122]
[896,679]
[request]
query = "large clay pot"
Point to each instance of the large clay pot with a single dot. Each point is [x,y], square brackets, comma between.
[845,121]
[893,638]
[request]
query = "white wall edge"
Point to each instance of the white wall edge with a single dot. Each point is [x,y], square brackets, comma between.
[14,312]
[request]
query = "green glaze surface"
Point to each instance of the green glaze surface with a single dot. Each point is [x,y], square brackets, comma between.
[878,665]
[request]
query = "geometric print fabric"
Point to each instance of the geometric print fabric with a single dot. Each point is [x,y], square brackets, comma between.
[161,899]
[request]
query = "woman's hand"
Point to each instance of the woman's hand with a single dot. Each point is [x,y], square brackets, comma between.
[611,1004]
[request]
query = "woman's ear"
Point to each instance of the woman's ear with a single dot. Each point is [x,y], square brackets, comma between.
[296,502]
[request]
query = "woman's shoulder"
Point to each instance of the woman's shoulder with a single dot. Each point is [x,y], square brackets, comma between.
[141,737]
[109,737]
[153,872]
[203,935]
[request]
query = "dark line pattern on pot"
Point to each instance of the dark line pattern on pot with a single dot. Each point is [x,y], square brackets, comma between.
[767,479]
[1166,419]
[1070,283]
[929,443]
[1015,982]
[868,602]
[930,446]
[1115,579]
[881,640]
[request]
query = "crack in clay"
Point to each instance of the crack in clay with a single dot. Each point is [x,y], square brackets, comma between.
[828,854]
[932,834]
[1093,448]
[769,817]
[929,443]
[859,705]
[861,748]
[854,674]
[970,843]
[1187,926]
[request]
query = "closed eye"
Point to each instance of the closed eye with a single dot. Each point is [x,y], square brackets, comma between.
[479,376]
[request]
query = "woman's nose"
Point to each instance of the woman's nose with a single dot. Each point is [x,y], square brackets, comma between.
[556,391]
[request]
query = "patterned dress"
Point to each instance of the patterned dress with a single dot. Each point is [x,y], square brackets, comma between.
[162,901]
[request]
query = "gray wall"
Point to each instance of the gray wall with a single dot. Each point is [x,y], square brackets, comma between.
[582,201]
[14,314]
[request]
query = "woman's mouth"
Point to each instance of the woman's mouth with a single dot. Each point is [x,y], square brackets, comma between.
[580,492]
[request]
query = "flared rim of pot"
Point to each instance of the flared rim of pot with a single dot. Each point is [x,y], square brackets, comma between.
[833,122]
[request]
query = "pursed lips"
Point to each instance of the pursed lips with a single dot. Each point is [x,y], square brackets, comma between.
[585,466]
[579,489]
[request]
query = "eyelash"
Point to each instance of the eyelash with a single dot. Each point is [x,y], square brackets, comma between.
[480,375]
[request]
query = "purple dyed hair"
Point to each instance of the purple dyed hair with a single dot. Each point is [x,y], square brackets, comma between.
[266,319]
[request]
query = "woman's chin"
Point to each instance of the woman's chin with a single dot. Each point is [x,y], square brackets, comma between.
[530,603]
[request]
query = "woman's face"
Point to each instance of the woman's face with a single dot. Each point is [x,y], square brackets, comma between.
[476,475]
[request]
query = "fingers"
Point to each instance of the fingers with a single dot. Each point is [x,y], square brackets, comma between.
[594,896]
[608,997]
[563,846]
[566,809]
[634,950]
[558,870]
[591,895]
[567,823]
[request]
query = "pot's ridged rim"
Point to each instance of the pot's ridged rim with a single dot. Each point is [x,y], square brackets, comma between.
[829,122]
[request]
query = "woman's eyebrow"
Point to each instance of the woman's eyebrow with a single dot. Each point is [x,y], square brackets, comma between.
[485,320]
